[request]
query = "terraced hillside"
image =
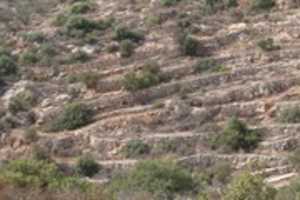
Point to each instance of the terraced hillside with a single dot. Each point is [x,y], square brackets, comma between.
[153,81]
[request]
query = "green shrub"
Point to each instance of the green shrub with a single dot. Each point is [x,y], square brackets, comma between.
[188,45]
[263,4]
[74,115]
[247,186]
[60,19]
[168,2]
[295,159]
[38,37]
[78,57]
[208,65]
[289,115]
[7,66]
[30,57]
[90,79]
[22,102]
[268,45]
[81,7]
[149,76]
[162,179]
[29,173]
[86,166]
[237,136]
[136,148]
[123,33]
[126,48]
[40,153]
[31,135]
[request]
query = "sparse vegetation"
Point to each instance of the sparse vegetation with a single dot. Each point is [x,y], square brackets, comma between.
[236,136]
[289,115]
[73,116]
[81,7]
[34,37]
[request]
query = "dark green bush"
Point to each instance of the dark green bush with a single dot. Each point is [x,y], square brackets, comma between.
[162,179]
[237,136]
[7,66]
[86,166]
[126,48]
[123,33]
[268,45]
[149,76]
[290,115]
[81,7]
[73,116]
[30,57]
[136,148]
[263,4]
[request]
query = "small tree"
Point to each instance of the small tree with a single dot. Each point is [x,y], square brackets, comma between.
[249,187]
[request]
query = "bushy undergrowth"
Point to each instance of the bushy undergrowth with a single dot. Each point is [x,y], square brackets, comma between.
[23,101]
[162,179]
